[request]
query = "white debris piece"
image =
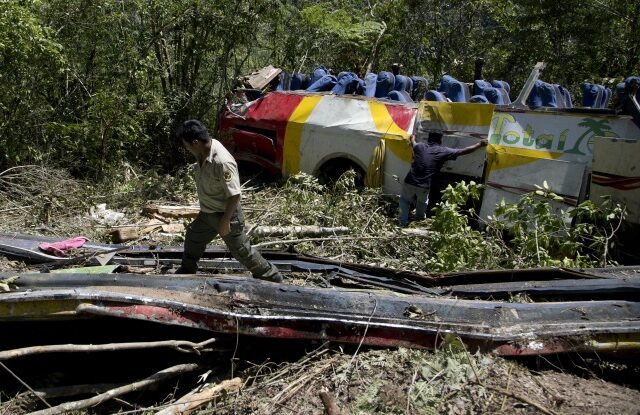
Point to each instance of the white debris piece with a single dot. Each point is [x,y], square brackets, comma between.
[105,216]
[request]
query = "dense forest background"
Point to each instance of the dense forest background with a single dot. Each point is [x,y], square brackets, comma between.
[93,85]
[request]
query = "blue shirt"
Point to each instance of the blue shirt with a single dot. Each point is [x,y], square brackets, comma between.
[428,159]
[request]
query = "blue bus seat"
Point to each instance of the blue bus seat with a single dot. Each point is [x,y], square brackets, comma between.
[326,83]
[434,95]
[479,99]
[595,95]
[384,84]
[400,96]
[542,94]
[455,90]
[299,81]
[284,81]
[368,85]
[420,88]
[347,83]
[403,83]
[318,73]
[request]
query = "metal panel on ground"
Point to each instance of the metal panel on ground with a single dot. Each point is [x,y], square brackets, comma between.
[616,173]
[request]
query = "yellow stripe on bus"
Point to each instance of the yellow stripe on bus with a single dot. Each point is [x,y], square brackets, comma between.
[293,134]
[501,157]
[456,114]
[395,137]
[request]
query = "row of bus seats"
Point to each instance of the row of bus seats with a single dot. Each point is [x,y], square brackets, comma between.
[402,88]
[598,96]
[384,85]
[593,95]
[450,89]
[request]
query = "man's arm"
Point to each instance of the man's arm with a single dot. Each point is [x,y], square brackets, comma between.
[224,227]
[474,147]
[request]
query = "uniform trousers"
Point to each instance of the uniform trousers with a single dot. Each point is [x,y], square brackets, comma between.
[205,227]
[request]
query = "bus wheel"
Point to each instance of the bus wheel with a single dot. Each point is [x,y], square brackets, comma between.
[331,171]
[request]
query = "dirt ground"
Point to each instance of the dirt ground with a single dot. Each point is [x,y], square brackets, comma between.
[421,382]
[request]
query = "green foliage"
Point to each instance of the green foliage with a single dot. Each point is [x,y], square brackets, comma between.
[30,63]
[450,369]
[302,200]
[348,33]
[541,235]
[529,233]
[454,243]
[90,89]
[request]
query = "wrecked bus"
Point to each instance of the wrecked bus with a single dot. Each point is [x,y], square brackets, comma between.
[582,153]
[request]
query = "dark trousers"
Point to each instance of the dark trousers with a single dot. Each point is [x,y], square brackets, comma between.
[205,227]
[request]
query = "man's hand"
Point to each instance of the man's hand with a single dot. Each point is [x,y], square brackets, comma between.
[474,147]
[224,227]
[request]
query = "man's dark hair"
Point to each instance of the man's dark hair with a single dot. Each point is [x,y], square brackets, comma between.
[193,130]
[435,138]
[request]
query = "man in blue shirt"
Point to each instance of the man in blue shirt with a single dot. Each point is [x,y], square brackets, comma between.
[428,159]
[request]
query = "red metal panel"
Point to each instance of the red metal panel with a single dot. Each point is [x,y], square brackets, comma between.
[402,115]
[259,136]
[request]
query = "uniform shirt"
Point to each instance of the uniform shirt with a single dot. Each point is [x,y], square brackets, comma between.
[216,179]
[428,159]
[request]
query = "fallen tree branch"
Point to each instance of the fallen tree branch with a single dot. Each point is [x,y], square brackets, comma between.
[346,238]
[521,399]
[72,390]
[110,394]
[306,230]
[179,345]
[193,400]
[16,377]
[329,402]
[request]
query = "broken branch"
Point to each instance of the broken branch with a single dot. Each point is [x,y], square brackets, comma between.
[521,399]
[180,345]
[307,230]
[329,402]
[110,394]
[64,391]
[297,384]
[347,238]
[156,211]
[193,400]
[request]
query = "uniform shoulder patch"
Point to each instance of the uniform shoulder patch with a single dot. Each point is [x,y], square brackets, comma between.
[227,176]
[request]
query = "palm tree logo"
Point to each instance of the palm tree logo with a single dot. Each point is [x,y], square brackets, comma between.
[594,128]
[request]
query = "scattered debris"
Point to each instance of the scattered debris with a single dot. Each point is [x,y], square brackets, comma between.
[162,212]
[105,216]
[6,282]
[60,248]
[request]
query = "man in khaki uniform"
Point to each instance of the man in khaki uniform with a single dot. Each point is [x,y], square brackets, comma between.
[218,184]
